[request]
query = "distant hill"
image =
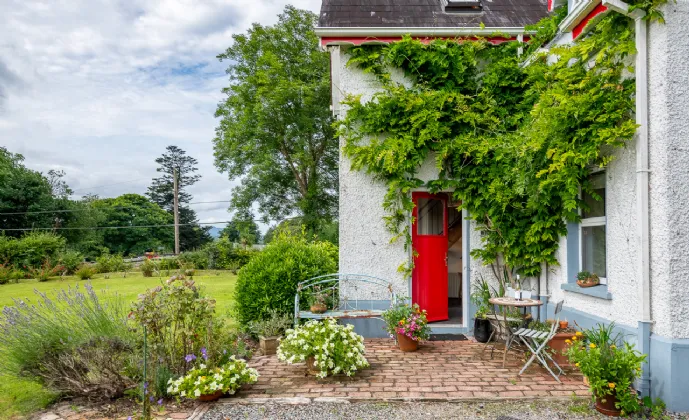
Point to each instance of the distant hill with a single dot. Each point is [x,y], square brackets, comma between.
[215,232]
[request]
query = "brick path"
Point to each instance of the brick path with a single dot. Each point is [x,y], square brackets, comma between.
[440,370]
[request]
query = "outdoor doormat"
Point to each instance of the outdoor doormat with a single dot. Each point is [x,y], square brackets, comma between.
[448,337]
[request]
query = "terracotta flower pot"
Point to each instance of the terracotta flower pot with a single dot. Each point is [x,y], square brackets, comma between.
[318,308]
[406,343]
[588,283]
[606,405]
[558,345]
[563,324]
[211,397]
[311,368]
[269,345]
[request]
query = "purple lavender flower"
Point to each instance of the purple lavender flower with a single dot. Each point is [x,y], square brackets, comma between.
[190,358]
[160,401]
[204,353]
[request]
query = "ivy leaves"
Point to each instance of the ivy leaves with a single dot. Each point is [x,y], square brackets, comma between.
[514,142]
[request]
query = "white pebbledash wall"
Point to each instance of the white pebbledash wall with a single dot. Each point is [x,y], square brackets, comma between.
[669,165]
[365,246]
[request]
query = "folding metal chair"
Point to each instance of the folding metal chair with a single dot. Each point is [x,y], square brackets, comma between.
[536,341]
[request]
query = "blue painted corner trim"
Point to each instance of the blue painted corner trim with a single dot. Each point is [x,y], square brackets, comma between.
[600,291]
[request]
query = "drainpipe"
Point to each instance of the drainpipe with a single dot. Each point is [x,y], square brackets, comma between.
[642,175]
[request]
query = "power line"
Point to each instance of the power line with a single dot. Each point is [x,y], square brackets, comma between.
[114,227]
[89,209]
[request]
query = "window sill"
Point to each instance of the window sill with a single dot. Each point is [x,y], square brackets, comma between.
[600,291]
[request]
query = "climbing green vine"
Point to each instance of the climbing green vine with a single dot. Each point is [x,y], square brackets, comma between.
[514,137]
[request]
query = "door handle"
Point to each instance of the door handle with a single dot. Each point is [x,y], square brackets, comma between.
[446,259]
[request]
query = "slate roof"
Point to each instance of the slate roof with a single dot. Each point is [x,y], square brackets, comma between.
[428,14]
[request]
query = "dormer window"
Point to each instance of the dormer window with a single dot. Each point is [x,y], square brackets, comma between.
[462,6]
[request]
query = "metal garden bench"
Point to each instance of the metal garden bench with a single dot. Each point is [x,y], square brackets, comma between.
[350,296]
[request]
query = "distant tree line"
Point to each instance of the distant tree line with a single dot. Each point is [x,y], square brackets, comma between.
[33,201]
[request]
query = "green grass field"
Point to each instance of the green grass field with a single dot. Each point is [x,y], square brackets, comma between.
[19,397]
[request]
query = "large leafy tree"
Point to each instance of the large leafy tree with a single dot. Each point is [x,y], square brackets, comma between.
[191,234]
[28,199]
[275,130]
[128,217]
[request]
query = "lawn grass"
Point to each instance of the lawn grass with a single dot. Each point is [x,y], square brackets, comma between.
[217,284]
[22,396]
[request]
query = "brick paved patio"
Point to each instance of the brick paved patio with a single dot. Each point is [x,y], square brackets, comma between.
[442,370]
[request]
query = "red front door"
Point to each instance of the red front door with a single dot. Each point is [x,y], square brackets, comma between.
[429,239]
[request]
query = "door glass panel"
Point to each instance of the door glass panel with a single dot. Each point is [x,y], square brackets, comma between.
[593,249]
[431,216]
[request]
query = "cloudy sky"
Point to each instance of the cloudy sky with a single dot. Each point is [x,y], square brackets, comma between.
[99,88]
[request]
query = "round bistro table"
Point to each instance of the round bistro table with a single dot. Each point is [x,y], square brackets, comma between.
[514,303]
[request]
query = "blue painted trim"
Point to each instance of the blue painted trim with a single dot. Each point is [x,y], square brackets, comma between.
[572,252]
[600,291]
[669,368]
[644,340]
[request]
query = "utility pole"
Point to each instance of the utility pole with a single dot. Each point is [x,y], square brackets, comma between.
[175,193]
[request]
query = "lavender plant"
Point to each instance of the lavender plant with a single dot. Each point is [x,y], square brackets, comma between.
[43,335]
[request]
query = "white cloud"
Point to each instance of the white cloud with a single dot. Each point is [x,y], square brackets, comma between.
[100,88]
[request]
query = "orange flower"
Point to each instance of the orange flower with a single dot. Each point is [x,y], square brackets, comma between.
[574,338]
[568,341]
[611,385]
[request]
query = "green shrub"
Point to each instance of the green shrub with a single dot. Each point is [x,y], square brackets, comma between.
[194,259]
[180,321]
[241,257]
[167,264]
[45,271]
[71,261]
[269,280]
[5,272]
[220,254]
[31,250]
[86,272]
[147,267]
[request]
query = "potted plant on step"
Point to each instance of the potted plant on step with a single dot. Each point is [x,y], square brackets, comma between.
[480,297]
[407,324]
[611,367]
[586,279]
[270,330]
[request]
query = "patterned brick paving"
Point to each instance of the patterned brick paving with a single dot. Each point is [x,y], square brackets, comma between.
[441,370]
